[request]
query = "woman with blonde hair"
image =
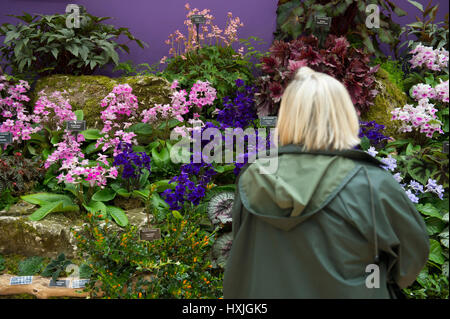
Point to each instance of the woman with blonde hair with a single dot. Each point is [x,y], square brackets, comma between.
[330,222]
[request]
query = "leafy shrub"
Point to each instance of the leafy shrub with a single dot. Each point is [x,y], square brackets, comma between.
[175,266]
[425,30]
[220,66]
[338,59]
[31,266]
[46,45]
[19,174]
[296,18]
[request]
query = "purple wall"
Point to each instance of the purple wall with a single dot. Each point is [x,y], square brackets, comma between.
[153,20]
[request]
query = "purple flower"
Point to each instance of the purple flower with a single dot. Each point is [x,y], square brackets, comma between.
[390,163]
[433,187]
[416,186]
[133,163]
[412,196]
[398,177]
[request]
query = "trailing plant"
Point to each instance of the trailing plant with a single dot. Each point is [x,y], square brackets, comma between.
[296,18]
[425,30]
[337,58]
[45,44]
[176,266]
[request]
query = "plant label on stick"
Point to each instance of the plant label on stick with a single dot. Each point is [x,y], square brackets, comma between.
[150,234]
[79,283]
[445,147]
[5,138]
[76,126]
[21,280]
[322,21]
[59,283]
[198,19]
[268,121]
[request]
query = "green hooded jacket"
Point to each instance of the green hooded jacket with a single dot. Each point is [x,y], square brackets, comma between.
[314,228]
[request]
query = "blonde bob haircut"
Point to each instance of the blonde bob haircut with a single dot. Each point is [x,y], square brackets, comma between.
[317,112]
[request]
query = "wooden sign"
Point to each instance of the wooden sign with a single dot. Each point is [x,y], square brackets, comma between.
[79,283]
[59,283]
[5,138]
[322,21]
[198,19]
[21,280]
[150,234]
[76,126]
[268,121]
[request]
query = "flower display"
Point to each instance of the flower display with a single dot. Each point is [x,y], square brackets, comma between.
[432,59]
[240,111]
[120,110]
[209,33]
[422,117]
[13,114]
[133,163]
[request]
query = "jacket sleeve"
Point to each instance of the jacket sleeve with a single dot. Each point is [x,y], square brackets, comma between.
[236,212]
[403,234]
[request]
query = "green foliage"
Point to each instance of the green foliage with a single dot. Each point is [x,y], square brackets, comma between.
[393,69]
[49,203]
[176,266]
[56,267]
[2,263]
[44,44]
[221,66]
[6,199]
[296,18]
[421,163]
[425,30]
[31,266]
[128,68]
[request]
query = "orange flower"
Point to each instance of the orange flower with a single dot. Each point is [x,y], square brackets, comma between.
[140,295]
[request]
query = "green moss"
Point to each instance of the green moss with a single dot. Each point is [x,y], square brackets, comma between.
[86,92]
[388,98]
[394,71]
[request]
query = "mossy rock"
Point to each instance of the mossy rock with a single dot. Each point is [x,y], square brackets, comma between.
[86,92]
[389,97]
[50,236]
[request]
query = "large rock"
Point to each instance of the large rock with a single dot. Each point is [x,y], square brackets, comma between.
[49,236]
[86,92]
[389,97]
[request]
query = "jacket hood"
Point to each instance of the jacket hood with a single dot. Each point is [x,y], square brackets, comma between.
[304,183]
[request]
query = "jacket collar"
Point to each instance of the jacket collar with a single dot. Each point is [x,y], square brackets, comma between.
[351,153]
